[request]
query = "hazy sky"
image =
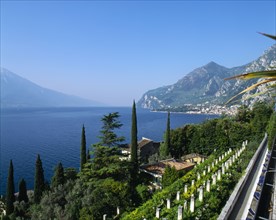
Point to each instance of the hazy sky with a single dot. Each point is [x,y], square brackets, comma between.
[114,51]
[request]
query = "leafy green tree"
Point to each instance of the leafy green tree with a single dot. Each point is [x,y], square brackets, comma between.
[110,122]
[170,176]
[165,147]
[22,195]
[10,198]
[143,193]
[58,178]
[39,183]
[70,173]
[261,115]
[83,147]
[178,142]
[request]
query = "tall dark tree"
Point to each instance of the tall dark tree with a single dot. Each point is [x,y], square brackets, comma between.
[83,147]
[165,147]
[110,122]
[22,196]
[88,156]
[10,198]
[134,156]
[58,178]
[39,183]
[134,142]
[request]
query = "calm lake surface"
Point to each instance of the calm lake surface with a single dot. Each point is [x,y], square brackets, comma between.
[55,134]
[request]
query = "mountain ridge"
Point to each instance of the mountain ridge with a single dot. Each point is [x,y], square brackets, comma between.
[17,91]
[206,84]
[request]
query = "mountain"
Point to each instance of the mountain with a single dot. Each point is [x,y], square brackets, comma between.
[206,84]
[19,92]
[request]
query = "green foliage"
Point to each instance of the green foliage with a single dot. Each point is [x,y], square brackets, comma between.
[261,115]
[22,195]
[70,173]
[39,183]
[58,178]
[178,142]
[170,176]
[164,151]
[271,129]
[10,198]
[83,147]
[53,203]
[143,193]
[110,122]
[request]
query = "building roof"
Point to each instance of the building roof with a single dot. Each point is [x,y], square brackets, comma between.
[192,155]
[159,168]
[144,141]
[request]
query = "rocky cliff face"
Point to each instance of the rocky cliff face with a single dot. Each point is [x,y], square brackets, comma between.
[206,84]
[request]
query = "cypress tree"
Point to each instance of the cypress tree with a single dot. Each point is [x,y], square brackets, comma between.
[165,147]
[10,198]
[83,147]
[134,156]
[87,156]
[22,196]
[58,178]
[168,135]
[134,142]
[39,183]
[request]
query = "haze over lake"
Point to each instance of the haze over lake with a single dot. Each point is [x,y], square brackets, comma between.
[55,134]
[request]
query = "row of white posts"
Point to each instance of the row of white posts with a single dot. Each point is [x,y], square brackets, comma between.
[206,184]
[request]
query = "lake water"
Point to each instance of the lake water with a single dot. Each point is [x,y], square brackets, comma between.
[55,134]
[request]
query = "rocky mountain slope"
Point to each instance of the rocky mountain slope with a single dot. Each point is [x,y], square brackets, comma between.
[206,85]
[19,92]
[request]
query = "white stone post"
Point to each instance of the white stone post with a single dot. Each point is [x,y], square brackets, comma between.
[222,157]
[185,205]
[219,174]
[226,165]
[223,169]
[198,176]
[219,158]
[192,203]
[208,186]
[214,179]
[179,213]
[216,161]
[213,164]
[178,195]
[200,194]
[104,217]
[157,214]
[168,203]
[209,168]
[203,159]
[193,182]
[185,188]
[118,210]
[204,172]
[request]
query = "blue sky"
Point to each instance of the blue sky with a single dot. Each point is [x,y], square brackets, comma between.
[114,51]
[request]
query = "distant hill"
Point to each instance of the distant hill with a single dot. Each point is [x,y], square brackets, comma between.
[206,84]
[19,92]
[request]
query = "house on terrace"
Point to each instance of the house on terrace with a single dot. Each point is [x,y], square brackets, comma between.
[155,171]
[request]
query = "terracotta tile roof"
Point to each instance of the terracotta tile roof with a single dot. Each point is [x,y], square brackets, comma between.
[159,168]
